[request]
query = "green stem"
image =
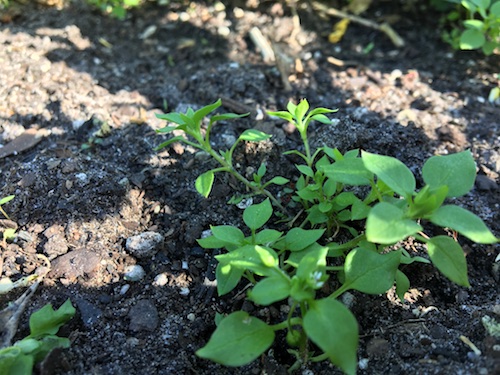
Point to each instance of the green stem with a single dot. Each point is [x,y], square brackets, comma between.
[339,291]
[319,358]
[286,323]
[242,179]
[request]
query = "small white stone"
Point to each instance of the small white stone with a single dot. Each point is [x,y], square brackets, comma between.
[191,317]
[134,273]
[124,289]
[185,265]
[184,291]
[160,280]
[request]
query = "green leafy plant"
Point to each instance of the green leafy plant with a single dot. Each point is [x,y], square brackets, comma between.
[115,8]
[373,199]
[44,324]
[475,25]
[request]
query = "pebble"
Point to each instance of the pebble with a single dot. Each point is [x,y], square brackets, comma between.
[144,245]
[160,280]
[143,316]
[89,313]
[134,273]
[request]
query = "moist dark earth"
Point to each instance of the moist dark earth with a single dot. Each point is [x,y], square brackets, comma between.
[78,97]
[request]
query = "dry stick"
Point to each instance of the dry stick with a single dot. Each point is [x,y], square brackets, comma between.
[384,27]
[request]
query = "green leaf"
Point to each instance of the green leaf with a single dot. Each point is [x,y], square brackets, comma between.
[202,112]
[474,24]
[392,172]
[277,181]
[495,10]
[321,110]
[359,210]
[6,199]
[267,236]
[304,169]
[211,242]
[282,115]
[253,135]
[229,234]
[47,321]
[269,290]
[350,171]
[311,268]
[464,222]
[370,272]
[449,258]
[227,277]
[227,116]
[258,259]
[386,224]
[333,328]
[171,117]
[301,109]
[204,183]
[298,239]
[322,118]
[471,39]
[457,171]
[169,142]
[166,129]
[13,361]
[256,215]
[402,285]
[238,340]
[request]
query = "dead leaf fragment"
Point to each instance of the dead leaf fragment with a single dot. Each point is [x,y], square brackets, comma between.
[25,141]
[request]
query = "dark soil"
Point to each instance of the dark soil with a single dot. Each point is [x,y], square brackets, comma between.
[64,73]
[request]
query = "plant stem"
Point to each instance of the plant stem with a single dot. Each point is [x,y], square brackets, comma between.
[242,179]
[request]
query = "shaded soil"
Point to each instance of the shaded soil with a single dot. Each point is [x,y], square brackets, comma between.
[65,73]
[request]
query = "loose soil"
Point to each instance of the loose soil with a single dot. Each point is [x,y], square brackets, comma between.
[65,73]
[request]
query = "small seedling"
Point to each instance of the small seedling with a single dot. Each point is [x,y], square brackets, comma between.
[44,325]
[293,266]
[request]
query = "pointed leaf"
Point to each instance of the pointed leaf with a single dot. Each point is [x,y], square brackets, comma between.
[370,272]
[278,180]
[227,277]
[349,171]
[402,285]
[172,117]
[331,326]
[301,109]
[269,290]
[204,183]
[202,112]
[393,172]
[238,340]
[227,116]
[169,142]
[256,215]
[229,234]
[386,224]
[298,238]
[457,171]
[267,236]
[253,135]
[449,258]
[282,115]
[464,222]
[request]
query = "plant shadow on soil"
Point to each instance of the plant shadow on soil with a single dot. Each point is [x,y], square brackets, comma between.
[90,202]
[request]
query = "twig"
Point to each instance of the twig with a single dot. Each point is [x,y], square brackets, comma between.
[384,27]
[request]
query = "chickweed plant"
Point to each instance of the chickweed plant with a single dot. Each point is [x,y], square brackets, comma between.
[44,324]
[372,200]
